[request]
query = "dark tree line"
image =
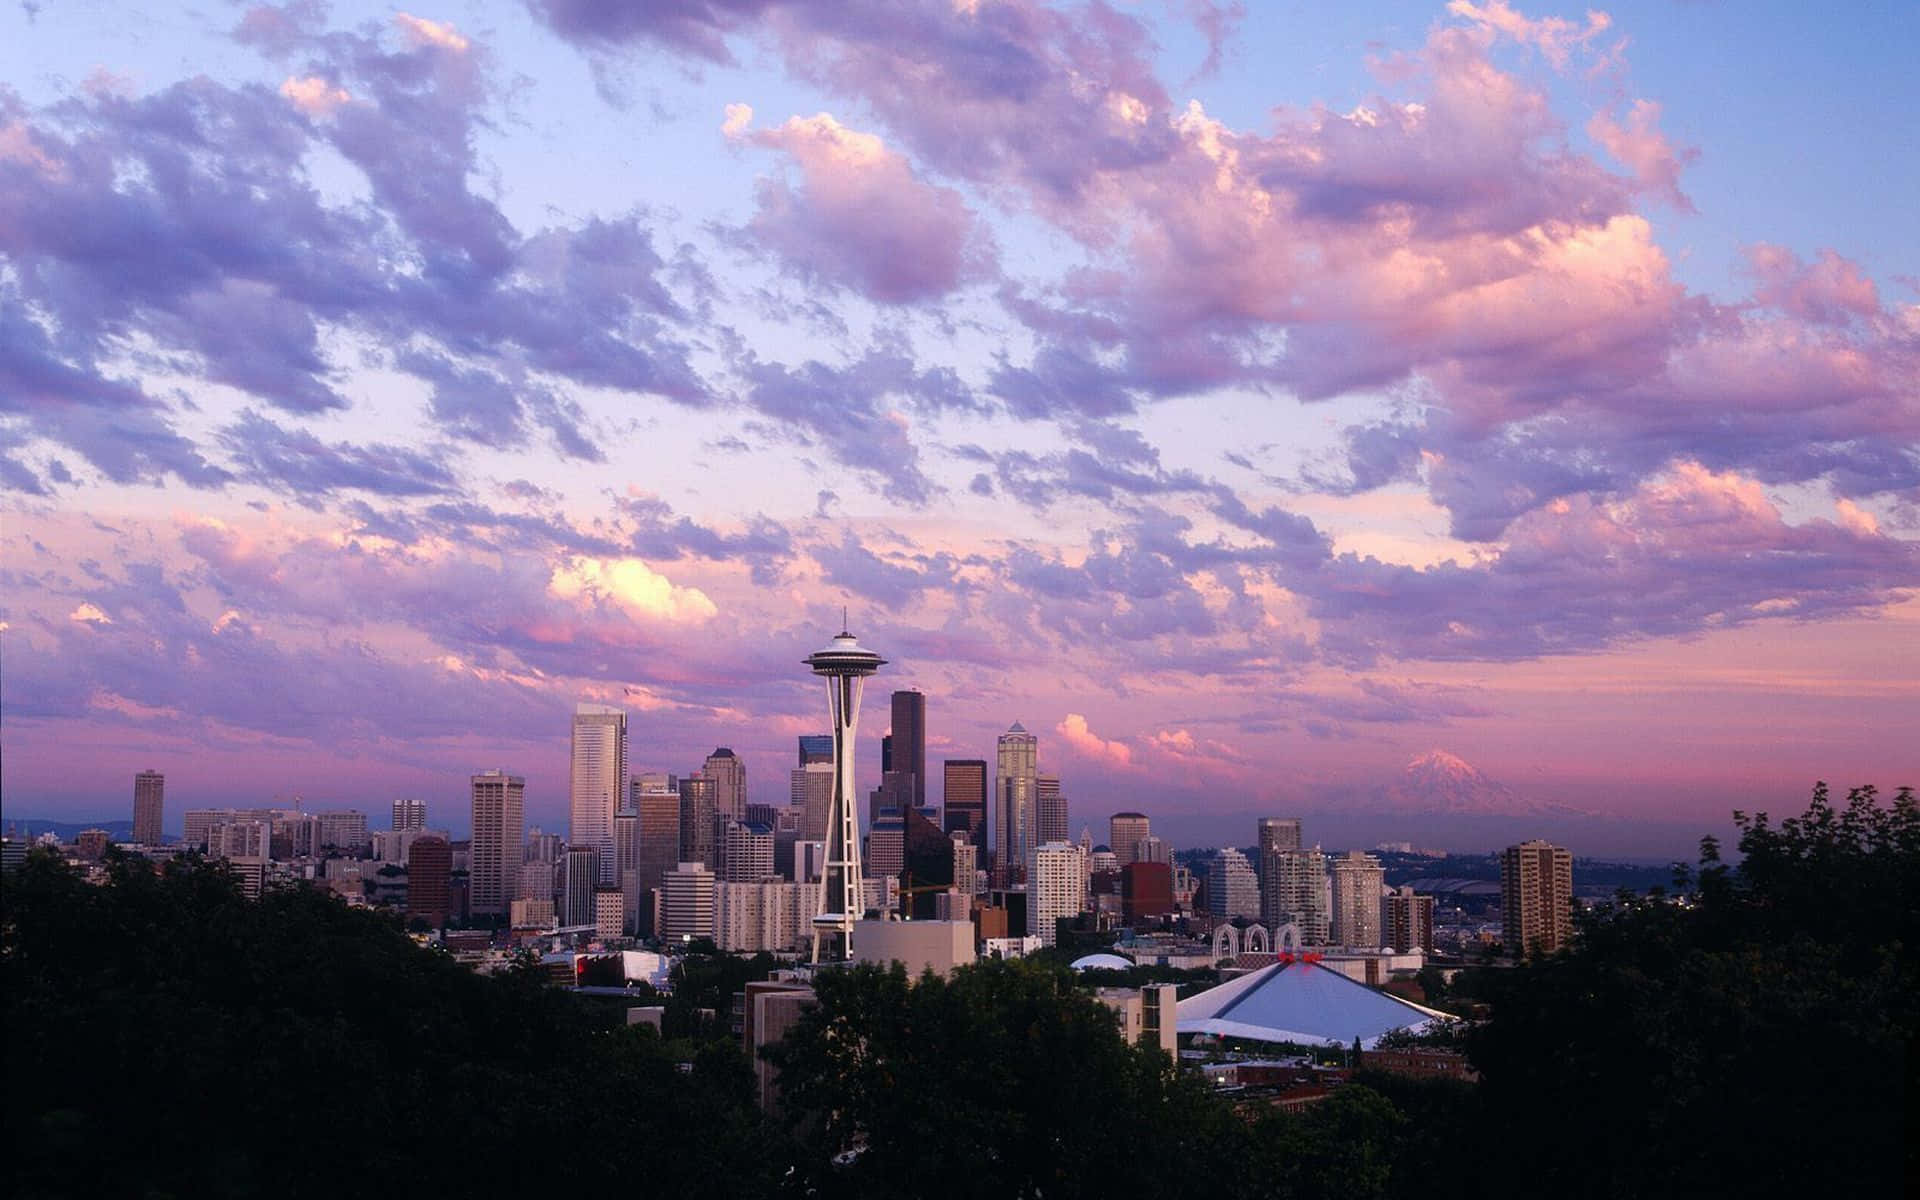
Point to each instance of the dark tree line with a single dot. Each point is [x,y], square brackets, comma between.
[167,1037]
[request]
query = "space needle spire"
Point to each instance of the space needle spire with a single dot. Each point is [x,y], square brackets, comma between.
[845,665]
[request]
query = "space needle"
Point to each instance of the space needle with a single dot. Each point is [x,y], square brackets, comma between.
[845,665]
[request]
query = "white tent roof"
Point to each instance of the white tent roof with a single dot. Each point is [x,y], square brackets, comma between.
[1297,1000]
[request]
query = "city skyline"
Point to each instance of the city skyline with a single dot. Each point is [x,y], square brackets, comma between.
[1252,404]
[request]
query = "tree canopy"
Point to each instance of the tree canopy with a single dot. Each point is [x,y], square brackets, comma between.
[1753,1038]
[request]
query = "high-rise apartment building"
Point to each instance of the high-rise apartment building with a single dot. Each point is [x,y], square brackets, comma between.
[686,902]
[149,807]
[1015,783]
[697,812]
[729,774]
[1299,894]
[964,800]
[409,816]
[1233,890]
[1125,832]
[596,781]
[499,822]
[1359,882]
[1536,897]
[770,915]
[1409,921]
[1051,806]
[910,743]
[1056,889]
[429,877]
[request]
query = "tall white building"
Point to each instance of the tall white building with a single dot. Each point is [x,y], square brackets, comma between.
[596,781]
[499,824]
[686,902]
[1359,881]
[1233,890]
[1056,889]
[1016,787]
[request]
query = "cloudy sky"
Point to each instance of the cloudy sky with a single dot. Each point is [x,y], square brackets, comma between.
[1245,400]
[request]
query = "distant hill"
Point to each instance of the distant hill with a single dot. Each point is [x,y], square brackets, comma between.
[29,828]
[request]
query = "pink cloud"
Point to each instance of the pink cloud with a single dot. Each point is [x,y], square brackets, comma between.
[1832,289]
[1638,143]
[1088,744]
[861,217]
[1555,37]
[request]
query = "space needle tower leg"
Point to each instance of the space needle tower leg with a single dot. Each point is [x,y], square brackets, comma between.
[845,666]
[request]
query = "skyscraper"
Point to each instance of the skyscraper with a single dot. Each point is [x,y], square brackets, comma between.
[1536,897]
[149,807]
[1051,804]
[729,774]
[429,875]
[409,816]
[1278,833]
[579,867]
[656,807]
[816,748]
[964,798]
[596,781]
[811,791]
[1359,881]
[1125,832]
[748,854]
[626,859]
[910,741]
[1014,786]
[1058,888]
[499,821]
[697,813]
[1277,836]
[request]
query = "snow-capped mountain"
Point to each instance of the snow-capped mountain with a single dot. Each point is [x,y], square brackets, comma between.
[1442,782]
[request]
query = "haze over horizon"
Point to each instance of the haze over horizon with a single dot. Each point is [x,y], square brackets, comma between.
[1250,400]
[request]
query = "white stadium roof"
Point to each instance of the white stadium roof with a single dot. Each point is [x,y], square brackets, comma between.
[1298,1000]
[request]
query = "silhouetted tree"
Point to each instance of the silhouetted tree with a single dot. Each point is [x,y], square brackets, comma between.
[1754,1040]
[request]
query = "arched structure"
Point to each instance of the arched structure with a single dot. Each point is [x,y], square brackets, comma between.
[1256,940]
[1226,942]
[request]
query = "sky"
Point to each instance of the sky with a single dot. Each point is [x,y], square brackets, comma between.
[1248,400]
